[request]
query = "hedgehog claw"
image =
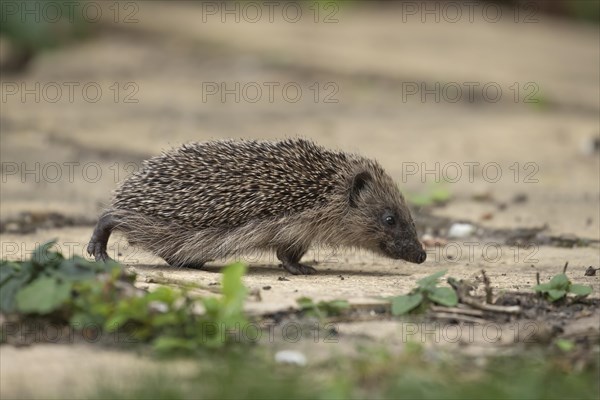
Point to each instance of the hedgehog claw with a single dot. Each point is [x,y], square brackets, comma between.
[100,255]
[298,269]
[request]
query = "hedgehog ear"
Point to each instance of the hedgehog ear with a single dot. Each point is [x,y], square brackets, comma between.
[359,182]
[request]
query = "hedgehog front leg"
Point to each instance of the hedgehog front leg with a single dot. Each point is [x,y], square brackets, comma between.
[290,260]
[99,241]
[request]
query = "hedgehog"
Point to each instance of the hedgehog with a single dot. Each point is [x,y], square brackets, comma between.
[210,200]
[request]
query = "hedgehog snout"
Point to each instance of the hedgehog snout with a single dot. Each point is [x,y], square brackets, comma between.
[411,251]
[418,256]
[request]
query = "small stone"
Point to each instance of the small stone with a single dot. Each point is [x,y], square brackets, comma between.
[520,198]
[483,197]
[487,216]
[266,287]
[460,230]
[282,278]
[290,357]
[12,227]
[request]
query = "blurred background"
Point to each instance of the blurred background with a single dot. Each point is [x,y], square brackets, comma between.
[471,106]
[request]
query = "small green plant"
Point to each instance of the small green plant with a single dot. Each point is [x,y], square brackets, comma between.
[222,316]
[32,28]
[168,318]
[560,286]
[44,283]
[565,345]
[84,293]
[322,309]
[436,194]
[425,293]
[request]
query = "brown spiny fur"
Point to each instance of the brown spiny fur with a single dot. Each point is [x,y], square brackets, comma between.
[204,201]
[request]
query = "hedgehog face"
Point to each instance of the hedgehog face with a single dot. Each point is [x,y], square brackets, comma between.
[398,237]
[383,223]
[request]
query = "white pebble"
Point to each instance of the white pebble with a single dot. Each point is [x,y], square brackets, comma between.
[290,357]
[461,230]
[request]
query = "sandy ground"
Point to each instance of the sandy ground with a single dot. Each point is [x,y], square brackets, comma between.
[67,156]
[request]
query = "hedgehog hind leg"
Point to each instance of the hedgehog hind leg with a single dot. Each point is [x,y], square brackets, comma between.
[290,260]
[99,240]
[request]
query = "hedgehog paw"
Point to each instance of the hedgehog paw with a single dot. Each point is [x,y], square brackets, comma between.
[298,269]
[97,250]
[99,240]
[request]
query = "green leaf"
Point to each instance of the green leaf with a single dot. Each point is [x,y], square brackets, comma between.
[404,304]
[116,322]
[9,291]
[322,308]
[440,195]
[580,290]
[544,287]
[166,345]
[42,254]
[7,269]
[333,307]
[560,282]
[420,199]
[434,195]
[234,291]
[162,294]
[305,302]
[43,295]
[73,271]
[81,319]
[431,279]
[443,295]
[232,279]
[565,344]
[167,319]
[554,294]
[211,305]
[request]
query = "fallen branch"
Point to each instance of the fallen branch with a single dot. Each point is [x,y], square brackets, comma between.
[462,290]
[491,307]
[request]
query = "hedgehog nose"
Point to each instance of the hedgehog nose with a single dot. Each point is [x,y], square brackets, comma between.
[421,257]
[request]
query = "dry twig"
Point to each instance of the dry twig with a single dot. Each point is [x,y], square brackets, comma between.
[460,317]
[489,296]
[458,310]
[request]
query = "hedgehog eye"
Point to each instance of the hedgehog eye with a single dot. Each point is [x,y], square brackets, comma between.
[390,221]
